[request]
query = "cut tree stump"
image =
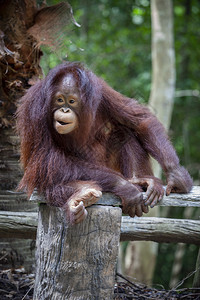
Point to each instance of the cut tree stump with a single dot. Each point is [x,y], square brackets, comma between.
[77,262]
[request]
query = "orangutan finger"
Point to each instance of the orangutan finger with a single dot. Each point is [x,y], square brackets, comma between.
[150,189]
[131,211]
[81,216]
[155,201]
[161,196]
[151,198]
[77,209]
[169,188]
[138,210]
[145,208]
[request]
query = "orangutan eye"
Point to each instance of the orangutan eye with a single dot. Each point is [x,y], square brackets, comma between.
[71,101]
[60,100]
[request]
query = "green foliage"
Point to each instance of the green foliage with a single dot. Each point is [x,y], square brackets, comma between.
[165,262]
[115,42]
[112,42]
[186,122]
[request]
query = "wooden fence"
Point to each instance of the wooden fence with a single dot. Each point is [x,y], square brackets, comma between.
[79,262]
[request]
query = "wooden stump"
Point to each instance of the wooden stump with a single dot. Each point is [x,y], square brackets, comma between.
[77,262]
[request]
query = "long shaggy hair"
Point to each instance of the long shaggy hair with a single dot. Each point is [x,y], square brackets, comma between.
[113,140]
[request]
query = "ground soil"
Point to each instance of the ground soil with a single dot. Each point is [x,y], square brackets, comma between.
[18,285]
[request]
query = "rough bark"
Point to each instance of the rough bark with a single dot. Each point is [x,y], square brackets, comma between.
[77,262]
[191,199]
[161,230]
[24,224]
[19,67]
[21,225]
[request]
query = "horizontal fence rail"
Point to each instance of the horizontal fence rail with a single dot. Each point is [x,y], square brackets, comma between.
[24,224]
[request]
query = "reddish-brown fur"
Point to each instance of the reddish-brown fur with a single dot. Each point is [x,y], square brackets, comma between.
[112,143]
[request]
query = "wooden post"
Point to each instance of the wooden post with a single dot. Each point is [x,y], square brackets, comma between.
[77,262]
[196,281]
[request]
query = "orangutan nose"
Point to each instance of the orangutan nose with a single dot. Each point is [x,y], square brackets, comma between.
[65,109]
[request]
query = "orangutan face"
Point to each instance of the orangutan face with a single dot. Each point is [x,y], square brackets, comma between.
[66,106]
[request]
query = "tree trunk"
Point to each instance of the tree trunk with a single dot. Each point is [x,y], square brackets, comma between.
[163,65]
[161,103]
[196,282]
[77,262]
[19,67]
[163,61]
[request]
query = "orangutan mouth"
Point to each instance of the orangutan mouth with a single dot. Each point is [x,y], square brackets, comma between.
[63,123]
